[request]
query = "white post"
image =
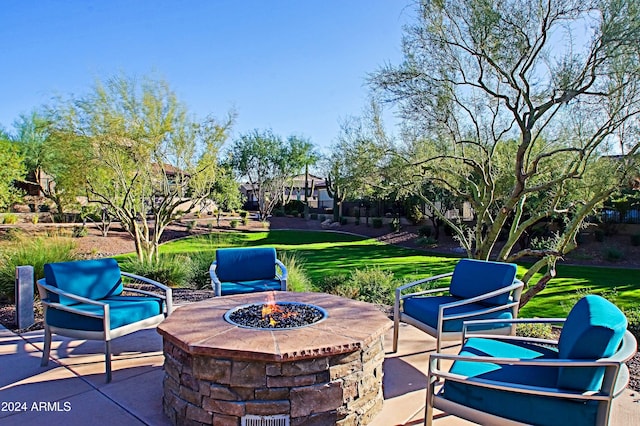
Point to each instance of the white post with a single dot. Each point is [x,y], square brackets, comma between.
[24,296]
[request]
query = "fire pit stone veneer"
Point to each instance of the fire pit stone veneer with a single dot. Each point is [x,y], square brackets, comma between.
[324,374]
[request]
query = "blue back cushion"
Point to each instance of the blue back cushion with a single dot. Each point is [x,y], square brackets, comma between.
[246,264]
[594,329]
[475,277]
[94,279]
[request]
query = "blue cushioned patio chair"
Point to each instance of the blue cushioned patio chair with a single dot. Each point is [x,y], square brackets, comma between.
[247,270]
[84,300]
[516,380]
[479,289]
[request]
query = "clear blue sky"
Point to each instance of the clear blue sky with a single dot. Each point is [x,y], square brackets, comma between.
[296,67]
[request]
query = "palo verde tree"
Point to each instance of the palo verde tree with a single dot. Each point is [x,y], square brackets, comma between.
[150,161]
[515,106]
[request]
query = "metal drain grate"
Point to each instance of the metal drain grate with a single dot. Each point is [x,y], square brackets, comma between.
[275,420]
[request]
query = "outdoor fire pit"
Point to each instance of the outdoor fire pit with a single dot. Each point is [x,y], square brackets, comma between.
[300,358]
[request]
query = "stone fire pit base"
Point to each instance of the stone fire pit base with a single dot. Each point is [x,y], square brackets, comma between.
[344,389]
[329,373]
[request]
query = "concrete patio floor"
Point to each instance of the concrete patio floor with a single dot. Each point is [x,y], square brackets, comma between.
[72,390]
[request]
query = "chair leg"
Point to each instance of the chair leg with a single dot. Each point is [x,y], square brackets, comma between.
[107,358]
[428,409]
[47,347]
[396,331]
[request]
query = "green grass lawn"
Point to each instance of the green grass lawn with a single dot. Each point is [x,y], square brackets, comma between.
[329,253]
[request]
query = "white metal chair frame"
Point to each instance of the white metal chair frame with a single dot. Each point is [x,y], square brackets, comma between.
[615,379]
[514,289]
[107,334]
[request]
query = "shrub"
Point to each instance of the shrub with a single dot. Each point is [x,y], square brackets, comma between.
[395,224]
[234,223]
[278,213]
[79,232]
[426,241]
[10,219]
[373,285]
[613,254]
[297,279]
[35,252]
[190,225]
[313,216]
[536,330]
[425,231]
[199,262]
[322,218]
[357,221]
[174,271]
[376,222]
[635,240]
[599,235]
[245,221]
[344,221]
[244,214]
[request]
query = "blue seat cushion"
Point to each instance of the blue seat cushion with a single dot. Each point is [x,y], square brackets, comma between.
[245,264]
[594,329]
[472,278]
[249,286]
[123,310]
[530,409]
[425,309]
[94,279]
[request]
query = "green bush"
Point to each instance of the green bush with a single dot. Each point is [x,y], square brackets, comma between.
[234,223]
[172,270]
[395,224]
[373,285]
[599,234]
[245,221]
[278,213]
[344,221]
[376,222]
[313,216]
[199,278]
[297,279]
[35,252]
[635,240]
[79,232]
[191,225]
[426,241]
[244,214]
[536,330]
[10,219]
[425,231]
[613,254]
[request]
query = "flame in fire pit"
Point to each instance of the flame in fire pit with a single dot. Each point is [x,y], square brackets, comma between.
[273,315]
[270,308]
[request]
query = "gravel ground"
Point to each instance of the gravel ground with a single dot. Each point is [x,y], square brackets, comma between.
[118,241]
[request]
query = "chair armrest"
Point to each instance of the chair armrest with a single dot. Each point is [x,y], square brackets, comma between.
[516,387]
[55,305]
[422,281]
[215,281]
[283,269]
[466,324]
[168,292]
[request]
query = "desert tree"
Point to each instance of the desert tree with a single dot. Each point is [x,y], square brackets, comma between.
[11,170]
[519,107]
[53,165]
[269,164]
[150,162]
